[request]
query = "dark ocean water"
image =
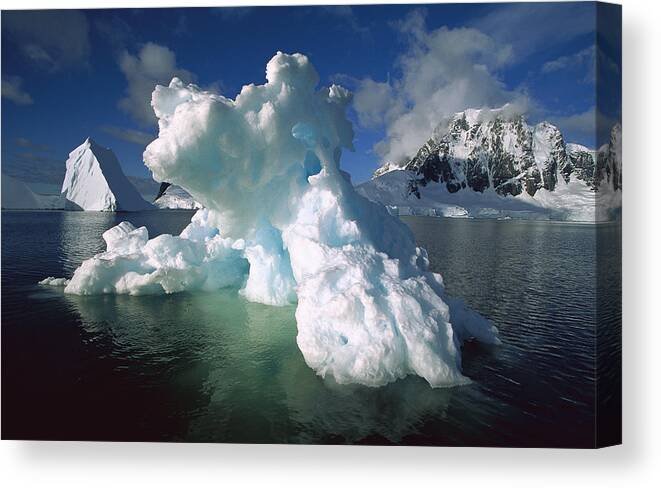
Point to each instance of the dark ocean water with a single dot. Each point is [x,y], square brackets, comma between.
[213,367]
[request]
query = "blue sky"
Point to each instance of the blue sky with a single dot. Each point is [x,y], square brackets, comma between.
[67,75]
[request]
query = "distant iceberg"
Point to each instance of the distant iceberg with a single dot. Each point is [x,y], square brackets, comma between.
[173,197]
[281,223]
[94,180]
[16,195]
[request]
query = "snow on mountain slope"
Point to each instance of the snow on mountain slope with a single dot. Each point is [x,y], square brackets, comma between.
[94,180]
[393,190]
[16,195]
[174,197]
[480,163]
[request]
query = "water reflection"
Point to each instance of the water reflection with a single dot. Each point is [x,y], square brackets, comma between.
[79,242]
[250,381]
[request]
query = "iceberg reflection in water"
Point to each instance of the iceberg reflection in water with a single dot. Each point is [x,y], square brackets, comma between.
[235,373]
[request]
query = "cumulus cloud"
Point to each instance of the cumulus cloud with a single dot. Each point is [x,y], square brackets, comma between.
[443,71]
[153,64]
[372,101]
[50,39]
[129,135]
[12,90]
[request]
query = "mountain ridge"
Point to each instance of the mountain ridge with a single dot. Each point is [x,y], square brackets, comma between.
[486,154]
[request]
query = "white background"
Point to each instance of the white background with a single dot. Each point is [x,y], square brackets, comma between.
[636,463]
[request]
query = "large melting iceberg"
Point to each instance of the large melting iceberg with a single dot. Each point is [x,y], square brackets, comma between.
[283,223]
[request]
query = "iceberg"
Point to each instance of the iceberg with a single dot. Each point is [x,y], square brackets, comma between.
[283,224]
[172,197]
[94,180]
[16,195]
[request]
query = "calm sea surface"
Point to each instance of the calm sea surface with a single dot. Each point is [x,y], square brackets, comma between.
[215,368]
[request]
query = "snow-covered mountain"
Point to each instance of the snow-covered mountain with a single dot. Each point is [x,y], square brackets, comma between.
[480,163]
[174,197]
[16,195]
[94,180]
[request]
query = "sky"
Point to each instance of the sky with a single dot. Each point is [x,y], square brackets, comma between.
[68,74]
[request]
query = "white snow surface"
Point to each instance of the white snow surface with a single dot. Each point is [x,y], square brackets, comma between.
[284,225]
[572,201]
[94,180]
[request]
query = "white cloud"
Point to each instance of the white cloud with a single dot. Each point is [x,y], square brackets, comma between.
[39,55]
[372,101]
[583,57]
[589,59]
[153,65]
[534,26]
[51,39]
[26,143]
[591,124]
[129,135]
[12,90]
[443,71]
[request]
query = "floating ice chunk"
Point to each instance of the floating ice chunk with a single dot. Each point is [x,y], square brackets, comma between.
[125,238]
[132,264]
[282,223]
[52,281]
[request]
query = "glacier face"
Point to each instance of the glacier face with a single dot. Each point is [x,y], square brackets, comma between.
[94,181]
[485,163]
[282,223]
